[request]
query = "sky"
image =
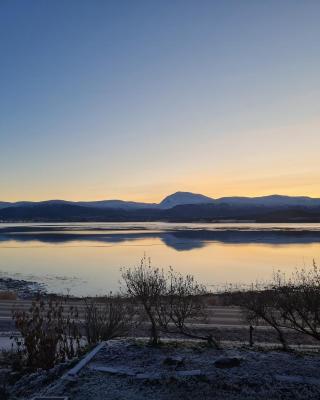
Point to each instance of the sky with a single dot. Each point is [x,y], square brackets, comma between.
[138,99]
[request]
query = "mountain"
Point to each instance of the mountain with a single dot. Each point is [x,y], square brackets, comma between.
[64,212]
[273,200]
[4,204]
[52,211]
[32,203]
[178,207]
[55,212]
[180,198]
[177,198]
[253,213]
[115,204]
[119,204]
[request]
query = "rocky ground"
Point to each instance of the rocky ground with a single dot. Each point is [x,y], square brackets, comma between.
[130,369]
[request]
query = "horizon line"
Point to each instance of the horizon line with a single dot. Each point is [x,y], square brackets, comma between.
[161,199]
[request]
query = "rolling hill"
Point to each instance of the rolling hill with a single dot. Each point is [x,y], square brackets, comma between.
[178,207]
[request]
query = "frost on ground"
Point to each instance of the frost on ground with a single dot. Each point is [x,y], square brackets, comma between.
[128,369]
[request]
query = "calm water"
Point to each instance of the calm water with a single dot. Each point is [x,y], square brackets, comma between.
[86,258]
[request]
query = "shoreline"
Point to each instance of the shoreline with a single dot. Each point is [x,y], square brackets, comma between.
[11,289]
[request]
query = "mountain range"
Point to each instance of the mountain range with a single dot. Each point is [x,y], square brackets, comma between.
[180,206]
[173,200]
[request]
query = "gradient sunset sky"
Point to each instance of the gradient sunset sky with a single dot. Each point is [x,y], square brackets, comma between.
[138,99]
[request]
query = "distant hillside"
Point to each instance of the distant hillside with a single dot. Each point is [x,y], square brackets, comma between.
[48,212]
[181,198]
[4,204]
[177,198]
[61,212]
[224,212]
[272,201]
[118,204]
[180,206]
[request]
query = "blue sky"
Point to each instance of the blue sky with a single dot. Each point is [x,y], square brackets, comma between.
[137,99]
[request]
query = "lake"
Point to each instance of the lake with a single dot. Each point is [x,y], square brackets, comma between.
[86,258]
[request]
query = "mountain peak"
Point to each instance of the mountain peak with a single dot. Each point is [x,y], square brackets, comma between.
[179,198]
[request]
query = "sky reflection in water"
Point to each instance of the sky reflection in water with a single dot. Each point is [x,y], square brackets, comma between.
[86,258]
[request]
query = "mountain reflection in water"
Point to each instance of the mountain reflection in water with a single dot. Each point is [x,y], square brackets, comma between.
[179,240]
[90,256]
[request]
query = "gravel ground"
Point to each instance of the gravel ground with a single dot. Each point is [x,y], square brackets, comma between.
[136,371]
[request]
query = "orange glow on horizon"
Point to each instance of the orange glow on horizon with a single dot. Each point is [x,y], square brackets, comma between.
[152,195]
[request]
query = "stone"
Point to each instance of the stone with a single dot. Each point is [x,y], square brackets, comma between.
[227,362]
[174,361]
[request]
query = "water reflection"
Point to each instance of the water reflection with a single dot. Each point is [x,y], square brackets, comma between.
[179,240]
[89,257]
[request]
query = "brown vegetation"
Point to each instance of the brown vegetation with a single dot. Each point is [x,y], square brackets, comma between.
[50,334]
[5,295]
[108,318]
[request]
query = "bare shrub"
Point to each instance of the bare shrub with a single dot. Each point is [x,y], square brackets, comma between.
[170,300]
[261,305]
[50,333]
[184,301]
[298,300]
[285,303]
[107,318]
[147,284]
